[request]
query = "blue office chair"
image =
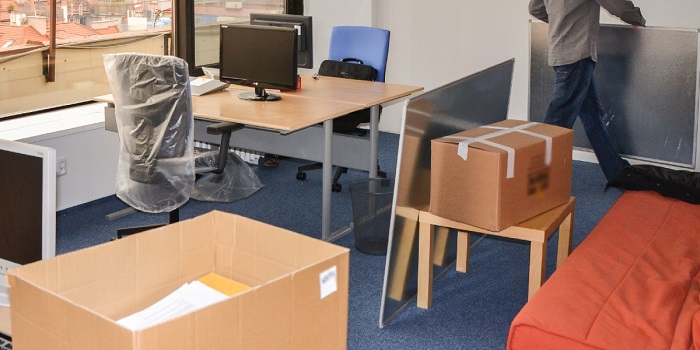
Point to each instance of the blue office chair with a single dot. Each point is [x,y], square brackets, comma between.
[153,109]
[371,46]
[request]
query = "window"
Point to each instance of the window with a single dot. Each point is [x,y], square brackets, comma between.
[47,63]
[198,41]
[36,74]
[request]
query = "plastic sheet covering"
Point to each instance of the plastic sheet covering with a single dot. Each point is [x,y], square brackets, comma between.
[237,181]
[154,119]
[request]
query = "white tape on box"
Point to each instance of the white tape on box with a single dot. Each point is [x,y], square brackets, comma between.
[463,146]
[520,129]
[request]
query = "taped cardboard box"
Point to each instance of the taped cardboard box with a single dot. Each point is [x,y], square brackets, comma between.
[499,175]
[298,297]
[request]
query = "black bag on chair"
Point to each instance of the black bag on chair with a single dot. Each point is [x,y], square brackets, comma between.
[349,68]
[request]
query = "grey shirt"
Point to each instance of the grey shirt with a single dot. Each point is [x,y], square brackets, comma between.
[574,25]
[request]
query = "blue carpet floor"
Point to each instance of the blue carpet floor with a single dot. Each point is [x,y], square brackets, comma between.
[470,311]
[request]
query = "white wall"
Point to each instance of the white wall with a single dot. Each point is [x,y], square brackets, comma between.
[329,13]
[92,166]
[78,135]
[436,42]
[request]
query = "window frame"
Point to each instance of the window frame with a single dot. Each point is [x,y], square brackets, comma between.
[184,30]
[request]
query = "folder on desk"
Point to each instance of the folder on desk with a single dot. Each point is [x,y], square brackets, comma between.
[203,86]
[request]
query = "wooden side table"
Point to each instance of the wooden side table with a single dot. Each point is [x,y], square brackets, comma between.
[537,230]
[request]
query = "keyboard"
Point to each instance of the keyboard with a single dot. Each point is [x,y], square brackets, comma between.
[5,342]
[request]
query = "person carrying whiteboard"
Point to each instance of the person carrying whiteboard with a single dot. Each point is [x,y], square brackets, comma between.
[573,40]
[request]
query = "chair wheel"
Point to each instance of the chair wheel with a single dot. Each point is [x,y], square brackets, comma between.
[336,187]
[301,176]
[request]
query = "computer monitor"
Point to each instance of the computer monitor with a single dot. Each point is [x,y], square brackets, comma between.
[27,206]
[261,57]
[302,24]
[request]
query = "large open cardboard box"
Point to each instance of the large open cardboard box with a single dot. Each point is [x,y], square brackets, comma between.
[298,299]
[493,189]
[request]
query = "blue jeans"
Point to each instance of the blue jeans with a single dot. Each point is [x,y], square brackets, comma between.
[576,95]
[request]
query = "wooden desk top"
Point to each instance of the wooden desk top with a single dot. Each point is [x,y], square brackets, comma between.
[289,114]
[362,92]
[317,101]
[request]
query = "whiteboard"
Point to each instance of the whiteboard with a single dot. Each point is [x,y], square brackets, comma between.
[648,82]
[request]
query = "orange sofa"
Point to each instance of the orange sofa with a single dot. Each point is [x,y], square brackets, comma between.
[633,283]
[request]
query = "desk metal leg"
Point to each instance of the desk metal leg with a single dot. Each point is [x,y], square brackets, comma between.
[326,233]
[328,165]
[327,179]
[374,140]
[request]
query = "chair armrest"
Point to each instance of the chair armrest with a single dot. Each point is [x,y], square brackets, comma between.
[223,127]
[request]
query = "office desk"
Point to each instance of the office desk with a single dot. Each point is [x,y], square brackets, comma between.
[287,127]
[360,92]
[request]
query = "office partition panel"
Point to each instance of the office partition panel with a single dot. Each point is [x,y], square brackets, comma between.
[473,101]
[648,83]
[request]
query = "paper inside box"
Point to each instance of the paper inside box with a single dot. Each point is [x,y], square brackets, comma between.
[205,291]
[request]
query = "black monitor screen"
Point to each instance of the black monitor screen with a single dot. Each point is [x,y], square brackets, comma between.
[261,57]
[303,26]
[20,201]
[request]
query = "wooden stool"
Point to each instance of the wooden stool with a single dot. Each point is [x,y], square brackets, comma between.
[536,230]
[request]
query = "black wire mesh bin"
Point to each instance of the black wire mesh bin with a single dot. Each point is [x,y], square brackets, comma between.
[371,212]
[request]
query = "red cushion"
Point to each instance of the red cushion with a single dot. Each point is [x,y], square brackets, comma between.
[633,283]
[696,330]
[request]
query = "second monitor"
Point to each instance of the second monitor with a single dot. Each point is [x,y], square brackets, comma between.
[303,26]
[259,57]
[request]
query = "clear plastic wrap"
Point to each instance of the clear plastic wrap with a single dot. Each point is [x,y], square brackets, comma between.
[237,181]
[154,118]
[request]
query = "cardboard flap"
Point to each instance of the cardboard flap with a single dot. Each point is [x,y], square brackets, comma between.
[259,252]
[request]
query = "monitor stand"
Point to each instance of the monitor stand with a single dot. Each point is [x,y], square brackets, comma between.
[259,95]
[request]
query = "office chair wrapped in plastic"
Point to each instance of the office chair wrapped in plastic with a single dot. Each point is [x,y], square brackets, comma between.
[367,45]
[157,168]
[153,110]
[235,181]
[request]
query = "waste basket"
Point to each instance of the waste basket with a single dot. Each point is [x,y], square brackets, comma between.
[371,213]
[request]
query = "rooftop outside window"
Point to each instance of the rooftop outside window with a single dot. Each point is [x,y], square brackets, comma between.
[87,29]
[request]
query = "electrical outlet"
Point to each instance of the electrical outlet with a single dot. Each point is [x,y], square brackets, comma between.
[61,166]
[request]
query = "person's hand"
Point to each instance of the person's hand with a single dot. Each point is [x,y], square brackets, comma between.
[634,18]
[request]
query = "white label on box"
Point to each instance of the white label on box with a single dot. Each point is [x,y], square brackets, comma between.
[328,281]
